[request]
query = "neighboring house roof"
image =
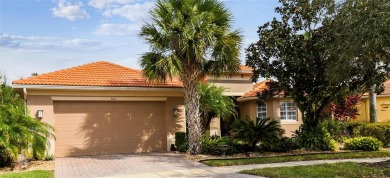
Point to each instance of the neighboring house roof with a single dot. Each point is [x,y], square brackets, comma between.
[387,88]
[104,74]
[386,91]
[243,68]
[257,88]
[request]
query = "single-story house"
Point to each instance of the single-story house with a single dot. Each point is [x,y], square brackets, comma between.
[280,108]
[382,104]
[105,108]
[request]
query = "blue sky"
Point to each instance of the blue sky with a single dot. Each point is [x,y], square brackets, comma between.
[48,35]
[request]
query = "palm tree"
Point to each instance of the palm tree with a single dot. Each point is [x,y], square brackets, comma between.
[263,130]
[189,39]
[214,104]
[18,131]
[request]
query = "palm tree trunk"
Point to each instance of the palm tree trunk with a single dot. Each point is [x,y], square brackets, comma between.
[191,99]
[373,114]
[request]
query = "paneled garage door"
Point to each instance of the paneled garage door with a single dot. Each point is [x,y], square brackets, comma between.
[100,127]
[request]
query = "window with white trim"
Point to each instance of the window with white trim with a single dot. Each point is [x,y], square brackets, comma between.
[262,110]
[288,111]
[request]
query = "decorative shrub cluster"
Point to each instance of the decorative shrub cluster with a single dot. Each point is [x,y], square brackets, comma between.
[318,139]
[336,128]
[380,131]
[283,144]
[210,145]
[362,143]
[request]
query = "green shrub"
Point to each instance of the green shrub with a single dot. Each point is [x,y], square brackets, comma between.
[181,141]
[317,138]
[5,159]
[210,145]
[335,128]
[283,144]
[253,132]
[380,131]
[48,157]
[362,143]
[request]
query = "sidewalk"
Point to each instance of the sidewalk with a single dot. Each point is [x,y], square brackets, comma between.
[232,171]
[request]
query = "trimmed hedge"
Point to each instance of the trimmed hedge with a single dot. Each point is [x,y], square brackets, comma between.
[181,141]
[209,145]
[380,131]
[362,143]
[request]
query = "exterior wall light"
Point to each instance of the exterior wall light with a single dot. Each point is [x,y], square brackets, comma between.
[175,112]
[40,114]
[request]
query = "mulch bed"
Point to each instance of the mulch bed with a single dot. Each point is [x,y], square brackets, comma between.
[33,165]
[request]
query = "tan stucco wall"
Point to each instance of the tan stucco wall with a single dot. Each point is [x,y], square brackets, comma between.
[383,109]
[174,123]
[249,108]
[44,103]
[235,87]
[42,100]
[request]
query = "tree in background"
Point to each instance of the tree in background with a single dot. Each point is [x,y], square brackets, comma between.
[214,104]
[298,51]
[189,39]
[362,29]
[18,131]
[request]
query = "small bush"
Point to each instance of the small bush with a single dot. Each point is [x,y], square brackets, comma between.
[49,157]
[181,141]
[316,139]
[335,128]
[210,145]
[362,143]
[5,159]
[380,131]
[283,144]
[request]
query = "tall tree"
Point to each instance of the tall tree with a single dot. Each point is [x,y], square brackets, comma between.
[189,39]
[296,50]
[214,104]
[363,33]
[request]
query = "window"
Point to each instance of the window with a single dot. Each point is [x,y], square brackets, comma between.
[262,110]
[288,111]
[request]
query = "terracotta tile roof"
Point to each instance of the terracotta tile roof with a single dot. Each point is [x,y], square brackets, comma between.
[387,88]
[386,91]
[257,88]
[100,73]
[245,68]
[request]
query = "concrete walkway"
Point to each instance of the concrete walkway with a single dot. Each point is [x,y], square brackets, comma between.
[232,171]
[153,165]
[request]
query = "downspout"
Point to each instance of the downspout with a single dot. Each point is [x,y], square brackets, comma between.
[25,100]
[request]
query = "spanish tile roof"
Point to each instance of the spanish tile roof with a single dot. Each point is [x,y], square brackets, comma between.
[257,88]
[104,74]
[387,88]
[245,68]
[386,91]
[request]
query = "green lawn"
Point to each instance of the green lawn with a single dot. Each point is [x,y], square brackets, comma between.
[30,174]
[304,157]
[322,170]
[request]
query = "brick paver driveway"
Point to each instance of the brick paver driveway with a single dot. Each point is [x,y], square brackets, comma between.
[130,165]
[126,164]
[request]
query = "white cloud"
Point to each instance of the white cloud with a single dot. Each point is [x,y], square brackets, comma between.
[104,4]
[133,12]
[47,43]
[69,11]
[117,29]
